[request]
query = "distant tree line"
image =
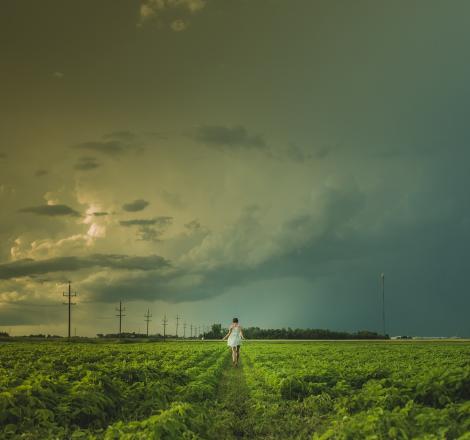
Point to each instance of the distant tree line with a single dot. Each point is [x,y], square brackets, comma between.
[128,335]
[293,333]
[122,335]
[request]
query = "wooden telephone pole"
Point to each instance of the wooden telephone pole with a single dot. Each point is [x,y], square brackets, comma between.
[382,276]
[177,323]
[164,323]
[120,314]
[69,303]
[147,316]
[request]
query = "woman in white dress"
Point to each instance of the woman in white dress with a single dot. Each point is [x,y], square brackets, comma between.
[235,336]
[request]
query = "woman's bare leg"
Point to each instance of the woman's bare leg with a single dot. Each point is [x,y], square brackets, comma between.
[238,353]
[234,355]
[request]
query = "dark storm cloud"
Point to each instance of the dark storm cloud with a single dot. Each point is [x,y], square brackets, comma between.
[26,313]
[193,284]
[41,172]
[87,164]
[51,210]
[236,137]
[30,267]
[156,221]
[151,286]
[149,229]
[147,233]
[136,205]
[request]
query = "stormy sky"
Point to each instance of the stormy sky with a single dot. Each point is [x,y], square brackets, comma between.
[216,158]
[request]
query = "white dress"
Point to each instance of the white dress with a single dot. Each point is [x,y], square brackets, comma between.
[234,339]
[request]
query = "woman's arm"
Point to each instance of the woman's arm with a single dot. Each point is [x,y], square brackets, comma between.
[228,334]
[241,333]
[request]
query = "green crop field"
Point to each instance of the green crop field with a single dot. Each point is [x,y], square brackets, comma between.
[281,390]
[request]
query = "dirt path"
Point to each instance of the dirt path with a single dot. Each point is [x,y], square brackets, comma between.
[229,414]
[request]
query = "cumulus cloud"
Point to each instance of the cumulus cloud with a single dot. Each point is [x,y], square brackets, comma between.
[46,248]
[246,251]
[223,137]
[51,210]
[30,267]
[136,205]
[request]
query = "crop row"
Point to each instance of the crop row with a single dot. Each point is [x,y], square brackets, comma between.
[87,391]
[360,390]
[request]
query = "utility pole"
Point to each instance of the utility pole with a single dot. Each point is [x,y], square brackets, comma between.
[177,322]
[147,320]
[120,315]
[69,303]
[164,323]
[191,326]
[382,276]
[184,330]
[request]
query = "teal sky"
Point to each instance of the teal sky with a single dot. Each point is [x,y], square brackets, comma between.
[216,158]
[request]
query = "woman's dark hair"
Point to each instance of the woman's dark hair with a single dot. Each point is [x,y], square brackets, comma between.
[235,320]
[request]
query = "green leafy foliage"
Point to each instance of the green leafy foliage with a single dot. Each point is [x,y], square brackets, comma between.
[58,390]
[360,390]
[282,390]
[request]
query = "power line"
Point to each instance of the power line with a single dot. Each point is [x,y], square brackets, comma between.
[177,322]
[69,303]
[147,316]
[120,316]
[164,323]
[382,276]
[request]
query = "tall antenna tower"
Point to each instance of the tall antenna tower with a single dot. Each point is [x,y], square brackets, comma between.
[184,330]
[382,278]
[120,314]
[177,322]
[69,303]
[147,317]
[164,323]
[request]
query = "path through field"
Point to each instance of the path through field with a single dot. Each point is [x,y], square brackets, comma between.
[230,412]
